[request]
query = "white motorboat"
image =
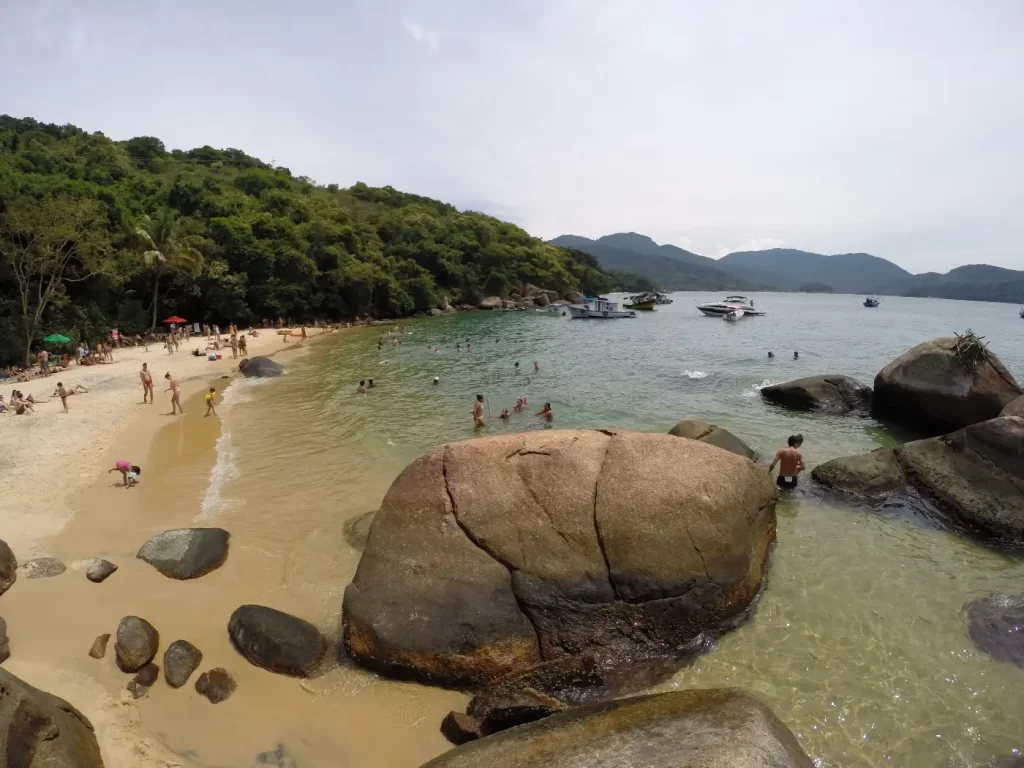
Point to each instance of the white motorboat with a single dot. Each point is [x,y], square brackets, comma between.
[731,304]
[663,299]
[598,309]
[733,316]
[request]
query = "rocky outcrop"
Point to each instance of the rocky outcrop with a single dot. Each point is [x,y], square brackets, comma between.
[928,390]
[574,297]
[136,643]
[491,555]
[836,394]
[277,641]
[8,567]
[99,646]
[491,302]
[5,643]
[39,730]
[43,568]
[357,529]
[181,659]
[996,625]
[217,685]
[460,728]
[260,367]
[713,435]
[435,312]
[975,474]
[98,570]
[541,300]
[1015,408]
[144,680]
[186,553]
[710,728]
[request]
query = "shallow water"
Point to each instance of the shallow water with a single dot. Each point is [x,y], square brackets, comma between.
[858,643]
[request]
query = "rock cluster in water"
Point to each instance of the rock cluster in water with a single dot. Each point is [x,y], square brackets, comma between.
[996,625]
[713,435]
[260,367]
[489,556]
[836,394]
[277,641]
[186,553]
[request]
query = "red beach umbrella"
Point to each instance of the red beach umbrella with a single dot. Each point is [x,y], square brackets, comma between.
[175,319]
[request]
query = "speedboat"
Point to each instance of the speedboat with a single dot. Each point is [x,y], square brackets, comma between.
[731,303]
[872,301]
[600,308]
[643,301]
[662,299]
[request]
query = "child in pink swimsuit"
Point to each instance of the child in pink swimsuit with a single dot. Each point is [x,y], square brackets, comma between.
[124,467]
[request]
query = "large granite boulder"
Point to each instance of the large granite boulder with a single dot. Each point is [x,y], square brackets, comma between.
[996,625]
[39,730]
[709,728]
[491,302]
[260,367]
[277,641]
[490,555]
[1015,408]
[136,643]
[837,394]
[975,474]
[928,390]
[186,553]
[574,297]
[8,567]
[541,300]
[5,643]
[356,530]
[713,435]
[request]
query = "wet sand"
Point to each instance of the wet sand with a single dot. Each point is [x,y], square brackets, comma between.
[345,717]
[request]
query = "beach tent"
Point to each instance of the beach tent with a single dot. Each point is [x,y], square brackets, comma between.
[175,319]
[56,338]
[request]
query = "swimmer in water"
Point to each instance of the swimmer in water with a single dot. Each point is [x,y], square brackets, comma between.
[437,380]
[395,342]
[362,388]
[369,383]
[547,413]
[771,355]
[536,367]
[504,414]
[458,347]
[478,413]
[517,367]
[796,355]
[791,463]
[380,342]
[518,406]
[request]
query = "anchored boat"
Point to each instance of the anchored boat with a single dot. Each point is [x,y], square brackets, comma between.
[600,308]
[872,301]
[642,301]
[731,304]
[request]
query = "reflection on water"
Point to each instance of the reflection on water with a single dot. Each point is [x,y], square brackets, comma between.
[859,641]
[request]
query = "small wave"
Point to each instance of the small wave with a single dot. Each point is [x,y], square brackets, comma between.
[755,389]
[696,374]
[223,470]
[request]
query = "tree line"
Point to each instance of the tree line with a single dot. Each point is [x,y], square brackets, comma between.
[97,234]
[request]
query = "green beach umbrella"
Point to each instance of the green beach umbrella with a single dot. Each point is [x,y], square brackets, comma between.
[56,338]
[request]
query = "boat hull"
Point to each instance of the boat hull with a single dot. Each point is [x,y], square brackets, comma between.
[580,313]
[717,311]
[643,306]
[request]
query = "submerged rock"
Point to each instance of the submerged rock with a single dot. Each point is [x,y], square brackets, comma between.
[186,553]
[39,730]
[143,680]
[5,645]
[975,474]
[491,555]
[260,367]
[216,684]
[99,570]
[357,530]
[460,728]
[99,646]
[43,568]
[928,390]
[8,567]
[996,625]
[713,435]
[181,659]
[712,728]
[277,641]
[136,644]
[279,757]
[838,394]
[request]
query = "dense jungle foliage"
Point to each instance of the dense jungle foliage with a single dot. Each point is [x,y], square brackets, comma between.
[96,234]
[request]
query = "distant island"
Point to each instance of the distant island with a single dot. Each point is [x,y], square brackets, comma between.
[787,269]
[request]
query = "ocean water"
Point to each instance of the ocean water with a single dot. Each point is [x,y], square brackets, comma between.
[858,643]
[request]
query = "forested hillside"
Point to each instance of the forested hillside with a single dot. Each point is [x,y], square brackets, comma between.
[96,233]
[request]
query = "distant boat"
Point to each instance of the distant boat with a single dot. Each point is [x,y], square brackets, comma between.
[642,301]
[872,301]
[598,309]
[1022,312]
[662,299]
[731,303]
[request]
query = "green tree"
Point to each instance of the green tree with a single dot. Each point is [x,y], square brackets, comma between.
[164,245]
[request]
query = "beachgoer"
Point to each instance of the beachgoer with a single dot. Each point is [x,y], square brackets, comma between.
[303,333]
[124,467]
[44,362]
[362,387]
[115,337]
[437,380]
[458,347]
[147,383]
[132,478]
[369,383]
[234,345]
[536,367]
[210,409]
[547,413]
[175,389]
[771,355]
[518,406]
[243,348]
[64,394]
[517,367]
[504,414]
[796,355]
[478,412]
[791,463]
[395,342]
[380,341]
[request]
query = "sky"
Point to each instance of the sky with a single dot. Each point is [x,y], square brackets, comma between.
[894,127]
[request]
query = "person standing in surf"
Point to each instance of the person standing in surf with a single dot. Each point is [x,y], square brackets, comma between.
[791,463]
[478,413]
[175,389]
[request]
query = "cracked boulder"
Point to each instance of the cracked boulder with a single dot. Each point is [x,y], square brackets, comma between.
[260,367]
[492,555]
[713,435]
[927,389]
[39,730]
[975,475]
[836,394]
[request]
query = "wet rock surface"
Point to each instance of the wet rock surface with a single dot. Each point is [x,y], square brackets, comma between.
[144,680]
[181,659]
[277,641]
[43,568]
[713,435]
[996,625]
[5,643]
[489,556]
[217,685]
[357,530]
[260,367]
[99,570]
[834,393]
[186,553]
[712,728]
[136,643]
[99,646]
[8,567]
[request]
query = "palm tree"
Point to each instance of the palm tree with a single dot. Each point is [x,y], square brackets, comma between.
[163,244]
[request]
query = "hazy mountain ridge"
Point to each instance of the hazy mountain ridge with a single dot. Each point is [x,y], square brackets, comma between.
[789,269]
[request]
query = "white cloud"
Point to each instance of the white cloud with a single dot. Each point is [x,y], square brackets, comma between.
[421,34]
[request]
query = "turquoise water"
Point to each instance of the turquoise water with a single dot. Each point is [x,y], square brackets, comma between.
[858,643]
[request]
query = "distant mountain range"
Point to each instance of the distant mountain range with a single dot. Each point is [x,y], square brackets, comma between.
[628,254]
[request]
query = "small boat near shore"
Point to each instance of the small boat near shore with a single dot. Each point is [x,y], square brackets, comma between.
[600,308]
[872,301]
[731,304]
[643,302]
[662,298]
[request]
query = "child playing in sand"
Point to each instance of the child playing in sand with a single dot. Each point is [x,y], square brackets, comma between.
[128,471]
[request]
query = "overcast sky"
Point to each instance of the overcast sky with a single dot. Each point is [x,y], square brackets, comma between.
[889,126]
